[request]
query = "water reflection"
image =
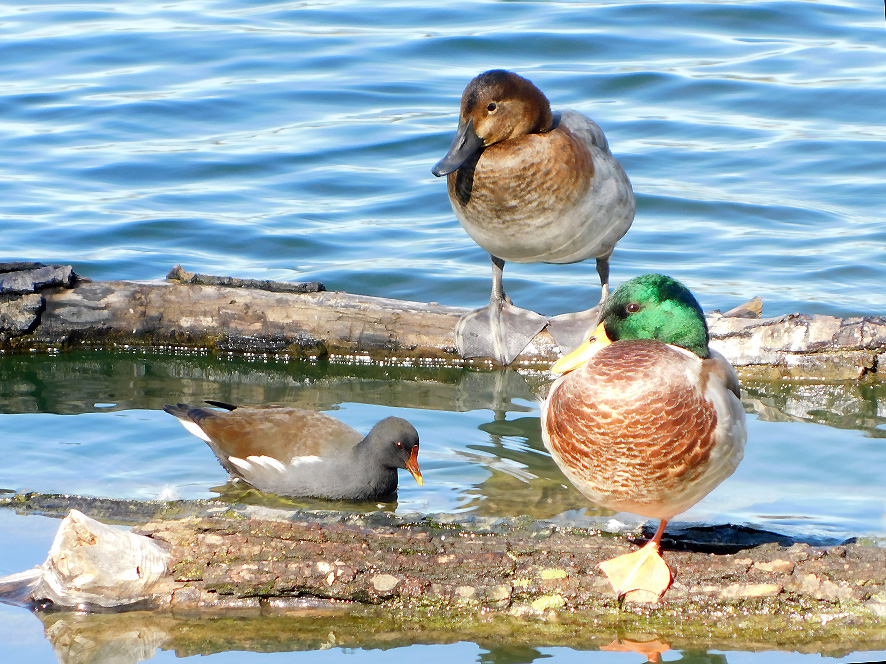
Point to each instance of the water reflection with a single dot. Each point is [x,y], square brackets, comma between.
[128,638]
[649,645]
[515,654]
[519,465]
[81,382]
[481,448]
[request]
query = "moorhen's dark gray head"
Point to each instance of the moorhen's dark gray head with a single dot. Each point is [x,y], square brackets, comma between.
[393,442]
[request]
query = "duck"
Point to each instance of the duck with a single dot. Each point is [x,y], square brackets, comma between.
[295,452]
[645,417]
[530,185]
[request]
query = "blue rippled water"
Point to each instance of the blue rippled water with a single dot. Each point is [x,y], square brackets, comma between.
[294,140]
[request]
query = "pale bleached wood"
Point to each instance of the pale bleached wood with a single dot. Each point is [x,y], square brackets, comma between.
[91,564]
[360,327]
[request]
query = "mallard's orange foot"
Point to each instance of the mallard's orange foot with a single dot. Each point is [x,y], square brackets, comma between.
[653,649]
[641,576]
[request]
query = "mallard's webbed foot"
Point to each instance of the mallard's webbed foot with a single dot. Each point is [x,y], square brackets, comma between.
[642,575]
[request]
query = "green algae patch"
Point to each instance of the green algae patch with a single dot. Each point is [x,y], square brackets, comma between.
[293,627]
[553,573]
[546,602]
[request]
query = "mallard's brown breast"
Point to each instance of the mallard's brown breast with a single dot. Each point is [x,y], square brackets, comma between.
[632,425]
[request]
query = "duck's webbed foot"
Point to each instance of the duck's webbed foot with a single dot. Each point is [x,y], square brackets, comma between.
[499,331]
[572,330]
[641,576]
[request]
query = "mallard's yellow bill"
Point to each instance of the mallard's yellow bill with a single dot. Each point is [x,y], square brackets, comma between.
[583,353]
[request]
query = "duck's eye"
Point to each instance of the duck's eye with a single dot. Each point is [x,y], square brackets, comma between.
[399,445]
[633,308]
[491,107]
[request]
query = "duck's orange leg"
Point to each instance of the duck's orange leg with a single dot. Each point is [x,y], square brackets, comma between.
[642,570]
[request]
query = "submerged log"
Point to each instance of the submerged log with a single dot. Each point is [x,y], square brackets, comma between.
[248,316]
[422,570]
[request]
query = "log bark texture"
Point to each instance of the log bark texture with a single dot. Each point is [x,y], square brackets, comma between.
[248,320]
[520,567]
[239,556]
[380,578]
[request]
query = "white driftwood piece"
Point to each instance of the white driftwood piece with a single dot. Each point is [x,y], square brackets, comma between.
[91,563]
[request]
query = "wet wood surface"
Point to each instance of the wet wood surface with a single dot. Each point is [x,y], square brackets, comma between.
[520,568]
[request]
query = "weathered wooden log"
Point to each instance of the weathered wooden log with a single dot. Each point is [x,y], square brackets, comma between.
[19,278]
[179,274]
[521,568]
[800,346]
[253,558]
[243,320]
[340,325]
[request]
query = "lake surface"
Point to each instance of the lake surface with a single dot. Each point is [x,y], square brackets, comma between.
[294,141]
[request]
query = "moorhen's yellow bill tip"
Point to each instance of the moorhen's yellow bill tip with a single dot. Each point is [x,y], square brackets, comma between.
[412,466]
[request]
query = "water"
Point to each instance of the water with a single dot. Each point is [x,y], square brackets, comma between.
[294,140]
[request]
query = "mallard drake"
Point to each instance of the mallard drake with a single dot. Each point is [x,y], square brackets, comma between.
[304,453]
[646,417]
[531,186]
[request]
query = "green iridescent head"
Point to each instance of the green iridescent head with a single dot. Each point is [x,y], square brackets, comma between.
[655,306]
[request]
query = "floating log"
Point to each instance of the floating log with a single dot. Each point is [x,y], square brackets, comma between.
[222,318]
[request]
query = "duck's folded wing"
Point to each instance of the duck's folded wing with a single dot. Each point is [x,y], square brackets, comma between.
[584,128]
[267,474]
[278,433]
[721,388]
[719,365]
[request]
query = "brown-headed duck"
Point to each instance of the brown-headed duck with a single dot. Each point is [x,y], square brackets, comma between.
[530,185]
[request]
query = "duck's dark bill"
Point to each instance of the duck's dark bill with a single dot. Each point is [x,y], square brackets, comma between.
[465,144]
